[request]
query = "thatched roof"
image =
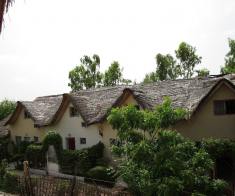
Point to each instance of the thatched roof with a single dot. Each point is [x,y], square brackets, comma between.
[3,129]
[93,104]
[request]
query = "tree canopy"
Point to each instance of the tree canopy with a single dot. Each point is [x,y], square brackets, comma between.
[158,161]
[229,66]
[187,59]
[170,68]
[204,72]
[6,108]
[113,76]
[87,74]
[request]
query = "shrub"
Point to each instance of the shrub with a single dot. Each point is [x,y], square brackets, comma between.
[3,168]
[53,138]
[10,183]
[95,152]
[36,156]
[21,148]
[102,173]
[74,162]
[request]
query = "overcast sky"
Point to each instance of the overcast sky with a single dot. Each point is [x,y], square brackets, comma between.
[44,39]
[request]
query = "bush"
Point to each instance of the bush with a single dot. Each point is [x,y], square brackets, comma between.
[102,173]
[19,159]
[10,183]
[78,162]
[95,152]
[53,138]
[36,156]
[3,168]
[74,162]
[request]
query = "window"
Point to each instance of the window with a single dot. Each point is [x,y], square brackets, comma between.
[26,114]
[70,143]
[18,140]
[82,140]
[35,139]
[27,139]
[73,112]
[222,107]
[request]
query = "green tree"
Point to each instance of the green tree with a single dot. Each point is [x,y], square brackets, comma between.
[150,77]
[204,72]
[6,108]
[229,66]
[86,75]
[160,162]
[113,76]
[166,67]
[188,59]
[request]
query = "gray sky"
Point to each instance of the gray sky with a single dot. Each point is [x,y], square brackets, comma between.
[43,40]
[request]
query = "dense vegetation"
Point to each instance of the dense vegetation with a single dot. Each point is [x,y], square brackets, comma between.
[161,162]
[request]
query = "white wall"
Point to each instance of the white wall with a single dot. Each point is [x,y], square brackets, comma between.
[72,127]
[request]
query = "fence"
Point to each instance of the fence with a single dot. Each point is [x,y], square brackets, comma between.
[50,186]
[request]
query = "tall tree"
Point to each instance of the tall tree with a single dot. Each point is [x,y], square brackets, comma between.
[150,77]
[113,76]
[204,72]
[159,162]
[6,108]
[188,59]
[229,66]
[166,67]
[4,5]
[87,74]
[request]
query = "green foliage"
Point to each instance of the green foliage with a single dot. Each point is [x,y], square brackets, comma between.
[6,148]
[36,156]
[164,163]
[10,183]
[86,75]
[188,59]
[203,72]
[127,119]
[3,168]
[21,148]
[95,153]
[113,76]
[166,67]
[219,147]
[169,68]
[74,162]
[6,108]
[229,66]
[52,138]
[78,162]
[102,173]
[151,77]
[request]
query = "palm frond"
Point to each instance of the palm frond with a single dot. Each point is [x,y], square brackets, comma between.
[4,6]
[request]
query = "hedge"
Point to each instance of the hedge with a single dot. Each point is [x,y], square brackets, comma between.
[36,156]
[101,173]
[78,162]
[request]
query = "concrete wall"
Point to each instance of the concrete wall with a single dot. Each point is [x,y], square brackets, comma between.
[204,123]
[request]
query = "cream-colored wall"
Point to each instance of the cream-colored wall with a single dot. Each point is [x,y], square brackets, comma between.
[25,128]
[204,123]
[72,127]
